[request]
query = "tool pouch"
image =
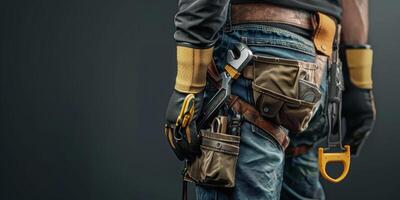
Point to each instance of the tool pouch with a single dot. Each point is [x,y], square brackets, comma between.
[286,91]
[217,164]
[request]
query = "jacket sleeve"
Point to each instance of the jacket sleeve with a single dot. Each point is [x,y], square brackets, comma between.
[197,22]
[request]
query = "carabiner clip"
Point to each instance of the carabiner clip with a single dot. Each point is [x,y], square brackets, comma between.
[342,157]
[185,117]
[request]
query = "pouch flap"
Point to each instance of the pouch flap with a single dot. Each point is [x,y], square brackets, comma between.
[269,105]
[308,92]
[206,134]
[278,75]
[220,142]
[219,146]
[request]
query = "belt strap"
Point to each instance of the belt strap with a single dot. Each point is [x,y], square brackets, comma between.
[251,115]
[268,13]
[322,26]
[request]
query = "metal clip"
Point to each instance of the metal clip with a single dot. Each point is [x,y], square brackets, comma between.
[184,118]
[219,124]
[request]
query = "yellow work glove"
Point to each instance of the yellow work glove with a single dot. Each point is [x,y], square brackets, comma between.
[186,101]
[358,108]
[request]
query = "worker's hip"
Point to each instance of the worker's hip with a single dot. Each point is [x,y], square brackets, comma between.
[260,161]
[262,40]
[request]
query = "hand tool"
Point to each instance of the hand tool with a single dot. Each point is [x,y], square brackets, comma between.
[237,59]
[334,112]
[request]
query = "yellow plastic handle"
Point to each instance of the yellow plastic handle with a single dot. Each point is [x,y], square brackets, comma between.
[325,158]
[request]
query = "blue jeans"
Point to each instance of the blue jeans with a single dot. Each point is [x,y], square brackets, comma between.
[261,171]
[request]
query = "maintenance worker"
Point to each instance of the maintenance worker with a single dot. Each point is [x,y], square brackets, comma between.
[298,34]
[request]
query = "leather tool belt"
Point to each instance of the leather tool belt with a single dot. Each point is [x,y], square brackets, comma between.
[326,36]
[322,27]
[250,113]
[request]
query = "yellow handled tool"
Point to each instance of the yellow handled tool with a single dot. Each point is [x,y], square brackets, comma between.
[334,116]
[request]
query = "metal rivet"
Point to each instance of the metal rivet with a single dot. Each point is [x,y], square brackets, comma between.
[266,109]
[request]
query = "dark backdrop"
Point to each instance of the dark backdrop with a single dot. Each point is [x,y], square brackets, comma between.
[84,86]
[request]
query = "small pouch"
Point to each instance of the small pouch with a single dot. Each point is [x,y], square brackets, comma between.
[217,164]
[286,91]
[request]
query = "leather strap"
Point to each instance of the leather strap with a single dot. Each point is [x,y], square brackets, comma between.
[324,35]
[212,75]
[268,13]
[251,115]
[184,190]
[323,26]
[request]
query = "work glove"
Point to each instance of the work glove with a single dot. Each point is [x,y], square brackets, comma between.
[186,102]
[358,108]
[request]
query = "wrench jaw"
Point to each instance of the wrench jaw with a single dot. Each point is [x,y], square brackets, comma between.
[245,56]
[235,65]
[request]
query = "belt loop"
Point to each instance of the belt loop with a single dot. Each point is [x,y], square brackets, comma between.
[228,23]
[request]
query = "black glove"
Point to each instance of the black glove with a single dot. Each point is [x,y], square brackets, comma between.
[358,108]
[186,101]
[180,129]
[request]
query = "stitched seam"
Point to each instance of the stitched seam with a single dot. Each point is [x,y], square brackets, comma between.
[265,135]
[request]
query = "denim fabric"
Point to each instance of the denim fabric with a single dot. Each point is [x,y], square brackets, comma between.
[301,178]
[260,168]
[301,173]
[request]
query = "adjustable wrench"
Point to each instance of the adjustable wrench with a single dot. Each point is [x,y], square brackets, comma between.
[232,72]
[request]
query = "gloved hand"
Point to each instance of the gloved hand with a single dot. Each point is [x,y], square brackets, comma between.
[181,129]
[358,108]
[186,101]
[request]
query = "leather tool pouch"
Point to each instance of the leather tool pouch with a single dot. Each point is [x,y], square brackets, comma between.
[286,91]
[217,164]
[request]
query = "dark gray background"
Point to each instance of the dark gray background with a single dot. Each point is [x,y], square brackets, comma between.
[83,90]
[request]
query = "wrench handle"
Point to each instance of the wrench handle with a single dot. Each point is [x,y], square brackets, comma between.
[214,104]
